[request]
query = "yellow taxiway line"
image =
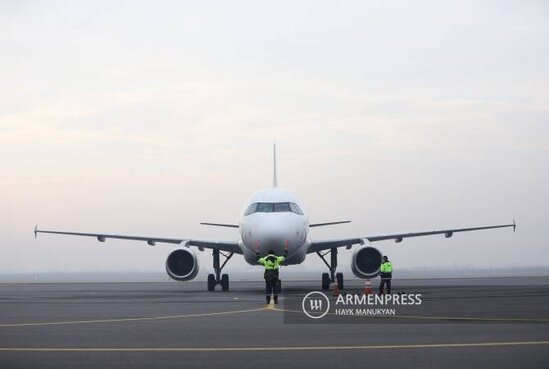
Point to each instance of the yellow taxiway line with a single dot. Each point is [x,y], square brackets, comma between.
[116,320]
[282,348]
[270,307]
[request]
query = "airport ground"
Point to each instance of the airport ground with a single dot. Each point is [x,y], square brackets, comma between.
[480,323]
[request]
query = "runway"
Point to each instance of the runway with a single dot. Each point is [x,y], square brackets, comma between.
[482,323]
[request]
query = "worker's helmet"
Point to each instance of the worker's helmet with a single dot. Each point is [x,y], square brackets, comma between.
[271,252]
[385,258]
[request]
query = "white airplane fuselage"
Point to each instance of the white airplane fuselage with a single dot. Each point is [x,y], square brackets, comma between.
[273,227]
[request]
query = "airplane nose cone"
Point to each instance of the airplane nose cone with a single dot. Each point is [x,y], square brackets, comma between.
[274,238]
[273,242]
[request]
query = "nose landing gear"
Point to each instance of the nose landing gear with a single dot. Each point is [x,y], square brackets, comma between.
[218,278]
[331,277]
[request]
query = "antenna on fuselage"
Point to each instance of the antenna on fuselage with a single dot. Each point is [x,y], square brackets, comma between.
[275,180]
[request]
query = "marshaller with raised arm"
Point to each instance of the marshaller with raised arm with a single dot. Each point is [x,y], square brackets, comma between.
[272,263]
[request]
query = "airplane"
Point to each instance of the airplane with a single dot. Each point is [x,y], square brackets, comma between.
[272,219]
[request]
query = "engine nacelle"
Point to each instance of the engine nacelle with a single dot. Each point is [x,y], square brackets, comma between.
[366,262]
[182,265]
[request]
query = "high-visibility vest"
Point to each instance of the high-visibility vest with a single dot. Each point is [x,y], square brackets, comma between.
[271,261]
[386,267]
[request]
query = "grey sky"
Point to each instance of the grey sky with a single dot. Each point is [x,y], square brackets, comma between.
[148,117]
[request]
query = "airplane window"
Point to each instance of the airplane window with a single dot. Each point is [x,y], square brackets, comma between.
[265,207]
[295,209]
[251,209]
[277,207]
[282,207]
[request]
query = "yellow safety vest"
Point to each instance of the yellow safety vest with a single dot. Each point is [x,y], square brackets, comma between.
[386,267]
[271,262]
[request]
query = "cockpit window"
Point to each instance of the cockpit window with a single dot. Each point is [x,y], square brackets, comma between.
[281,207]
[295,209]
[265,207]
[273,207]
[251,209]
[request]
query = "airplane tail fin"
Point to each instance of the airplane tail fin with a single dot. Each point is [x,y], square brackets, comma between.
[275,179]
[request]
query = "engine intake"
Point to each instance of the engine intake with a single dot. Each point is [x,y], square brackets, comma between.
[366,262]
[182,265]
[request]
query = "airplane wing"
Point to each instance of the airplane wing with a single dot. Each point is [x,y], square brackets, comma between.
[229,246]
[398,237]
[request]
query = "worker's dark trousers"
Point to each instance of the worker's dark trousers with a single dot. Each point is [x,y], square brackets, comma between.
[383,282]
[271,286]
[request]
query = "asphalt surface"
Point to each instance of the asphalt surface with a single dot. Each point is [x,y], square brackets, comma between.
[480,323]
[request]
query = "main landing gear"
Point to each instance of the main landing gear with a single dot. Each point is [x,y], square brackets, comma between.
[331,277]
[218,278]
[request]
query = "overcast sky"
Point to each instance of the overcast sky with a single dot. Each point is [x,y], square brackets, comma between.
[148,117]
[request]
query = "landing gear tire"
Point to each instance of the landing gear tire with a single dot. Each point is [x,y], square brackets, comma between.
[224,282]
[332,277]
[339,278]
[211,282]
[218,278]
[325,281]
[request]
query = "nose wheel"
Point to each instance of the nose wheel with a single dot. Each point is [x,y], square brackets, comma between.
[332,277]
[218,278]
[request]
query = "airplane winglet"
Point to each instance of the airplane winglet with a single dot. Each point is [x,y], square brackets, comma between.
[514,226]
[35,230]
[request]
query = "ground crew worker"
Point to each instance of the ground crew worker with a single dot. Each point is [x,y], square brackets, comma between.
[271,262]
[386,273]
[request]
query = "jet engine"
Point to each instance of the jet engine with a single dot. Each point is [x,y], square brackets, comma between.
[182,265]
[366,262]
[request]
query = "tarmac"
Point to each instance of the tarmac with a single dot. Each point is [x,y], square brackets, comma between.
[480,323]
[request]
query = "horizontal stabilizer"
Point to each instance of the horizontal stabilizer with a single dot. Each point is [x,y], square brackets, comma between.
[221,225]
[329,223]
